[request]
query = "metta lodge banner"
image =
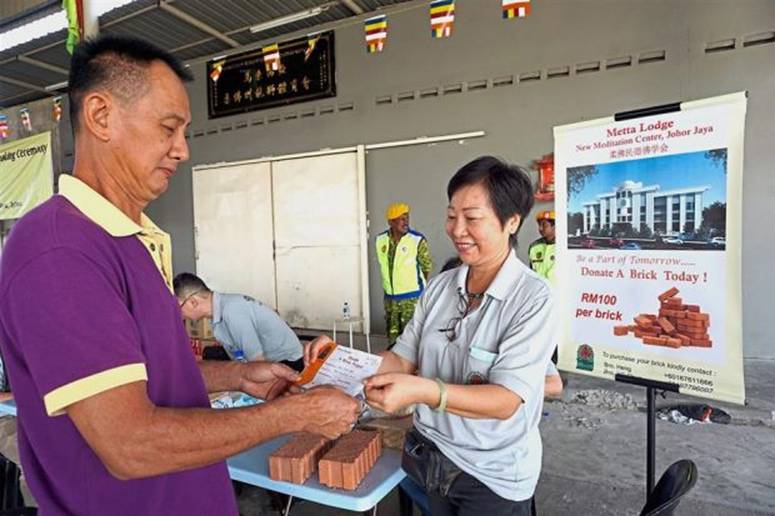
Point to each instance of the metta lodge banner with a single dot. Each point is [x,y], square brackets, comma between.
[26,175]
[649,245]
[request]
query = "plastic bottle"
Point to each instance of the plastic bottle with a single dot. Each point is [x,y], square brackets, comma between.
[239,355]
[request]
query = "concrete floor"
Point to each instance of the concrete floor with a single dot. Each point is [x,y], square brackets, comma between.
[594,454]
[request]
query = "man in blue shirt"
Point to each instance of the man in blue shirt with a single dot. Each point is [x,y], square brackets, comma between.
[247,329]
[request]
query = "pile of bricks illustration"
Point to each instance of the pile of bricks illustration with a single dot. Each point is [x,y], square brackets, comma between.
[676,325]
[341,464]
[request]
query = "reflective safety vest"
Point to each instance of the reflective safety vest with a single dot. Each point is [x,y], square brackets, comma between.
[407,280]
[542,259]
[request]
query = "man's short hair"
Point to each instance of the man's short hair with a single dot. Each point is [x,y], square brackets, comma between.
[117,64]
[186,284]
[508,187]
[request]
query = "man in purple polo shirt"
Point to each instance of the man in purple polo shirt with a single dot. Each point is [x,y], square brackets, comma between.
[113,409]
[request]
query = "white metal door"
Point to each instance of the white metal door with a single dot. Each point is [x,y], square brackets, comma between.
[317,222]
[233,229]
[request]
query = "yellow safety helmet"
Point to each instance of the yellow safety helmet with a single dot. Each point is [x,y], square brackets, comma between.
[395,210]
[545,215]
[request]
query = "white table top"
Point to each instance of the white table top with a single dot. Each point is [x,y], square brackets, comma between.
[252,467]
[8,408]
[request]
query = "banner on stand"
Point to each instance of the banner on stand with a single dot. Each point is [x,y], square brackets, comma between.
[26,175]
[649,245]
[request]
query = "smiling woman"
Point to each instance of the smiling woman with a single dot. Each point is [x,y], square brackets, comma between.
[474,356]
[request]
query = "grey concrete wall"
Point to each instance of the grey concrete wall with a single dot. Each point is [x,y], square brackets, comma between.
[518,116]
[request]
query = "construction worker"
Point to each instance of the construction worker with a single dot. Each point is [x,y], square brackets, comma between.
[405,265]
[541,251]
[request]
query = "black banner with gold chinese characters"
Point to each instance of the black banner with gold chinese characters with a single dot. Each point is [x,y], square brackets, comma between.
[259,80]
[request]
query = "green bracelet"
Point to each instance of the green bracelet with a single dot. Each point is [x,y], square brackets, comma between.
[442,396]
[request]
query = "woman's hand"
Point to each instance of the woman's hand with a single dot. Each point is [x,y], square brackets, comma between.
[312,349]
[392,392]
[266,380]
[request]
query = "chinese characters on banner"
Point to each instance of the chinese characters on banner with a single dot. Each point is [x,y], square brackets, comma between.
[649,246]
[295,71]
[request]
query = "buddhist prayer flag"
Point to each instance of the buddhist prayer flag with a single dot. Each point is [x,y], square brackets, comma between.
[24,116]
[3,127]
[217,69]
[56,109]
[74,11]
[516,8]
[272,57]
[376,33]
[442,18]
[311,43]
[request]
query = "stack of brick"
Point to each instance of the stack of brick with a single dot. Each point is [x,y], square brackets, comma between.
[298,459]
[351,459]
[675,325]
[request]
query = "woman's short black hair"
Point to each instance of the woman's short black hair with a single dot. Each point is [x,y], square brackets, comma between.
[508,186]
[117,64]
[452,263]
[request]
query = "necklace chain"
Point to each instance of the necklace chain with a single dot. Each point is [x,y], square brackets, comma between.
[473,296]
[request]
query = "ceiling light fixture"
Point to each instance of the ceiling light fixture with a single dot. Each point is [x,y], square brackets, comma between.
[290,18]
[58,86]
[53,22]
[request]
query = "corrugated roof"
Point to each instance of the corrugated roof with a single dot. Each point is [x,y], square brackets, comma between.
[147,19]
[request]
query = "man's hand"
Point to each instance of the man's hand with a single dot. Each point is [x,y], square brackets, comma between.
[392,392]
[326,411]
[312,349]
[266,380]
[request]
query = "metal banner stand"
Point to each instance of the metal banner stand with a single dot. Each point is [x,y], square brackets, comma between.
[650,385]
[651,420]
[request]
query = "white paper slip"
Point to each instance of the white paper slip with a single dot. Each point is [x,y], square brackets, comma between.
[342,367]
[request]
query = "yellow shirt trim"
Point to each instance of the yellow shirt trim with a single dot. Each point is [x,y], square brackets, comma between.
[73,392]
[117,224]
[96,207]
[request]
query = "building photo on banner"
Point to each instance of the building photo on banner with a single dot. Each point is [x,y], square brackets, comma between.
[645,207]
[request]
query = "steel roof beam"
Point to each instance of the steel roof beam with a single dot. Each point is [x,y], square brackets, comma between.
[351,5]
[199,24]
[40,64]
[23,84]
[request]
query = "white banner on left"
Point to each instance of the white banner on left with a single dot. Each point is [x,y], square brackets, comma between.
[26,175]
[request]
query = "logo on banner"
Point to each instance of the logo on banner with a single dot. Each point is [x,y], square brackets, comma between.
[585,358]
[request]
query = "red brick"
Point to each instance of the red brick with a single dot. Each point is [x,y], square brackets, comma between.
[657,341]
[673,342]
[685,341]
[702,343]
[643,321]
[668,294]
[621,330]
[697,316]
[349,461]
[297,459]
[666,326]
[692,308]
